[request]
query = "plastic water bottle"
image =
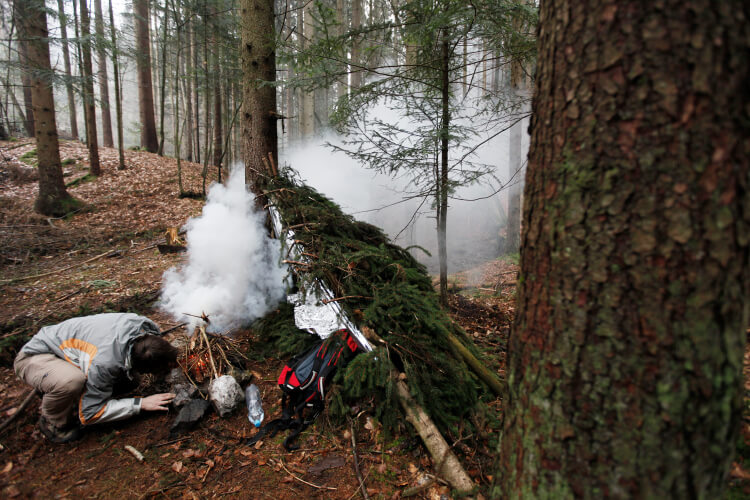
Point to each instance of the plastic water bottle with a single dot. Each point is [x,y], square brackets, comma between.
[254,405]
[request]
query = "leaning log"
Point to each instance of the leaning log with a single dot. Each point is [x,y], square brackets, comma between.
[446,463]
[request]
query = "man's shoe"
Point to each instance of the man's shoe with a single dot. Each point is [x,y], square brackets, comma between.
[59,434]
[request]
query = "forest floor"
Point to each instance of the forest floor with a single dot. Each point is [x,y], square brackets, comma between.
[104,258]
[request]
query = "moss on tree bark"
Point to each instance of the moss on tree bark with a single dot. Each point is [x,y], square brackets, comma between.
[625,361]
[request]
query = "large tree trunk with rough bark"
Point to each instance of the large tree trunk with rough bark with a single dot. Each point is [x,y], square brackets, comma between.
[53,199]
[259,104]
[89,105]
[149,140]
[101,53]
[625,360]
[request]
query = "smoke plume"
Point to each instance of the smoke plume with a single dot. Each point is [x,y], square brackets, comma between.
[233,271]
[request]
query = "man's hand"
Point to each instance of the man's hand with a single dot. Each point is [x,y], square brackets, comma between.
[157,401]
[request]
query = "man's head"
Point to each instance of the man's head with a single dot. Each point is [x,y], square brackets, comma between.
[152,354]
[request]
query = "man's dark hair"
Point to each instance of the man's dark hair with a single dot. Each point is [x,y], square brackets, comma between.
[152,354]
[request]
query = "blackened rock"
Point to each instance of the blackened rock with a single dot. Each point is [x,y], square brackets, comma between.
[183,394]
[189,415]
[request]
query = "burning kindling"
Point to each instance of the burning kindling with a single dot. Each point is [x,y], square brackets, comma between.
[211,367]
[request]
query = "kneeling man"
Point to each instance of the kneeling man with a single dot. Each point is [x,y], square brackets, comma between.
[76,364]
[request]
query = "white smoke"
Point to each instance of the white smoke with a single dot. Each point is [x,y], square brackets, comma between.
[233,271]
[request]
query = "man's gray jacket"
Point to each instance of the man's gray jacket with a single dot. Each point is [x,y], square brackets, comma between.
[100,346]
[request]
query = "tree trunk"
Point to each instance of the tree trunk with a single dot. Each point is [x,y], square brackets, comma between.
[107,140]
[28,122]
[80,66]
[68,75]
[196,99]
[89,105]
[177,78]
[118,97]
[356,70]
[515,153]
[163,80]
[341,18]
[259,103]
[625,360]
[217,109]
[52,199]
[189,90]
[3,132]
[149,140]
[307,123]
[443,177]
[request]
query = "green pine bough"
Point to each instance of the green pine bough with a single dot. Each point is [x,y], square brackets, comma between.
[382,288]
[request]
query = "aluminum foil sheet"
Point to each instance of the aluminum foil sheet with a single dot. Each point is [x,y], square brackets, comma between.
[311,313]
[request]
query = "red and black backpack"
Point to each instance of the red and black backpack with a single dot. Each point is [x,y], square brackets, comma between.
[304,381]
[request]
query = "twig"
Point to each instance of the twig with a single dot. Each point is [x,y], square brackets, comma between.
[210,466]
[173,328]
[162,489]
[71,294]
[281,462]
[274,170]
[20,409]
[173,441]
[25,278]
[295,263]
[328,301]
[304,224]
[137,454]
[419,488]
[356,463]
[210,356]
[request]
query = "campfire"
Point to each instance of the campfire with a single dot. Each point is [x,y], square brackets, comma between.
[211,369]
[205,355]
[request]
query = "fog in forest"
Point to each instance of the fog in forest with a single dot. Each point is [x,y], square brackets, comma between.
[476,229]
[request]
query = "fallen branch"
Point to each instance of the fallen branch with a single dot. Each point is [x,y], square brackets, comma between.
[485,374]
[446,462]
[26,278]
[281,462]
[20,409]
[356,464]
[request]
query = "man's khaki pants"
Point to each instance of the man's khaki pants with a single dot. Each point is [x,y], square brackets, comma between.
[61,383]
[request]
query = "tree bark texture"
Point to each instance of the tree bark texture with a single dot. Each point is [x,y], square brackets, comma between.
[89,105]
[101,53]
[149,140]
[625,360]
[68,75]
[23,52]
[259,105]
[32,27]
